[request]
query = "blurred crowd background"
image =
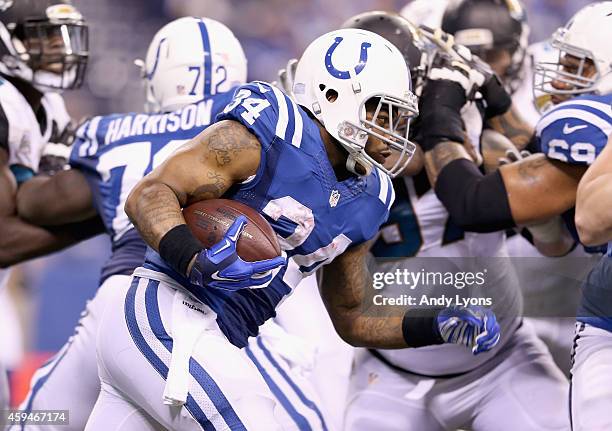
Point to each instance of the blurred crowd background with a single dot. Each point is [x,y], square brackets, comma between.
[51,292]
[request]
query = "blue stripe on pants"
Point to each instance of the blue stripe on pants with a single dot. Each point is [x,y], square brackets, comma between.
[130,316]
[197,371]
[308,403]
[300,421]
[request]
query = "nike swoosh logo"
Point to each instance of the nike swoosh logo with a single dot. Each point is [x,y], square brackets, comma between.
[215,276]
[236,235]
[226,245]
[567,129]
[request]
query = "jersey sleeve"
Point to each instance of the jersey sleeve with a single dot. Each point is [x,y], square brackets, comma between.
[23,149]
[85,147]
[573,134]
[262,109]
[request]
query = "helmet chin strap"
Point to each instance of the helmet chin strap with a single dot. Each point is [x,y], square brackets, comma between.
[356,159]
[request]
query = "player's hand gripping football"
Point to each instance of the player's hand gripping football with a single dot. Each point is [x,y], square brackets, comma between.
[220,266]
[474,327]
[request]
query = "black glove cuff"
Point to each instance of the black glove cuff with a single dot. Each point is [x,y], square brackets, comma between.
[177,248]
[440,114]
[419,330]
[496,97]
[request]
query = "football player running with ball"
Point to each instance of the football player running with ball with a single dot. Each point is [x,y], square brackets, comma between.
[286,160]
[111,153]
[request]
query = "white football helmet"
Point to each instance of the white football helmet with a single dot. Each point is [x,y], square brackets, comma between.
[188,60]
[342,70]
[587,36]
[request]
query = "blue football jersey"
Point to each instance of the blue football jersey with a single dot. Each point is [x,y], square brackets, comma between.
[315,216]
[116,151]
[596,303]
[577,130]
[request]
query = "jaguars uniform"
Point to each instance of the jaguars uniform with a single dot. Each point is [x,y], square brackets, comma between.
[316,218]
[419,235]
[23,135]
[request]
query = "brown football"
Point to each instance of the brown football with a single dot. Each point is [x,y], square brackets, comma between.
[210,219]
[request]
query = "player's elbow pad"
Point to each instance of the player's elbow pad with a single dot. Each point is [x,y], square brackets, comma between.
[476,203]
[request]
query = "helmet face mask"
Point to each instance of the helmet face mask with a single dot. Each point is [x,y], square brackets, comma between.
[576,82]
[46,43]
[389,122]
[56,49]
[343,71]
[584,62]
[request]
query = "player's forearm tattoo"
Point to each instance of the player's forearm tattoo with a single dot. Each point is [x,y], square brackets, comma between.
[513,127]
[349,294]
[228,140]
[529,167]
[157,210]
[440,156]
[213,190]
[221,154]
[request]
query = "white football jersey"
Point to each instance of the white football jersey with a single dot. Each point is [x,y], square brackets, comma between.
[430,233]
[21,134]
[421,228]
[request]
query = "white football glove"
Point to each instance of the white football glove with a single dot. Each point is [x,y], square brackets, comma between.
[444,67]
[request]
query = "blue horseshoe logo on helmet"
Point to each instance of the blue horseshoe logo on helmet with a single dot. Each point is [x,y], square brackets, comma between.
[344,74]
[149,75]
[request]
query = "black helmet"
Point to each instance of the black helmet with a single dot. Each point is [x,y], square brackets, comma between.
[44,42]
[487,26]
[401,33]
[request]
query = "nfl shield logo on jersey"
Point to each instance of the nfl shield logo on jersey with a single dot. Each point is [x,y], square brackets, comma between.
[334,198]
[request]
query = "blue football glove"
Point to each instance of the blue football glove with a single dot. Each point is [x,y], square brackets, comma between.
[474,327]
[220,267]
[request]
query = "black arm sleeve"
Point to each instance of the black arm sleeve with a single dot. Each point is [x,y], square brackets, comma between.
[475,202]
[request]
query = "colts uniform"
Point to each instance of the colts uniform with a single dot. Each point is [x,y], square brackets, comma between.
[542,279]
[23,136]
[114,152]
[581,128]
[143,336]
[441,387]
